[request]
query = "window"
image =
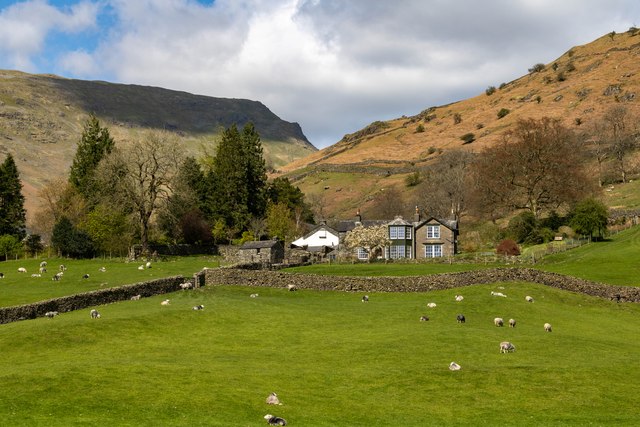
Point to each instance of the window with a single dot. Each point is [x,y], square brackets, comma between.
[397,233]
[408,229]
[432,251]
[396,252]
[433,231]
[362,253]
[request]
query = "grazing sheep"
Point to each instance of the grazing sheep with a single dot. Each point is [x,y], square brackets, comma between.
[141,267]
[453,366]
[431,305]
[365,298]
[512,323]
[254,295]
[51,314]
[459,298]
[507,347]
[460,318]
[275,421]
[424,318]
[148,264]
[36,275]
[42,270]
[198,307]
[292,288]
[94,314]
[136,297]
[57,276]
[62,267]
[498,294]
[85,276]
[22,270]
[43,264]
[1,275]
[498,321]
[102,269]
[547,327]
[165,302]
[186,285]
[528,298]
[272,399]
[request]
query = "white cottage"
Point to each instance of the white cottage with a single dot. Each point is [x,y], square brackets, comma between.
[321,239]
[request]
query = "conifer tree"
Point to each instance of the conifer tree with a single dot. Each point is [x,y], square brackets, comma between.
[256,171]
[12,212]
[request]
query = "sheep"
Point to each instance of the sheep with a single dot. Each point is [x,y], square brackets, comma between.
[272,399]
[498,294]
[253,295]
[459,298]
[498,321]
[1,275]
[22,270]
[42,270]
[431,305]
[507,347]
[51,314]
[136,297]
[365,298]
[62,267]
[292,288]
[275,421]
[453,366]
[186,285]
[165,302]
[57,276]
[460,318]
[43,264]
[528,298]
[36,275]
[85,276]
[424,318]
[198,307]
[148,264]
[141,267]
[102,269]
[512,323]
[94,314]
[547,327]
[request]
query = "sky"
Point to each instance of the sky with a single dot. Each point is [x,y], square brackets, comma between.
[333,66]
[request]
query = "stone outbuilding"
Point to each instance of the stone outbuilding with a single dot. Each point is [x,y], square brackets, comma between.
[264,251]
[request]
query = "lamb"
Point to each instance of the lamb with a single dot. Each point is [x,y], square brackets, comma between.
[459,298]
[365,298]
[103,269]
[165,302]
[198,307]
[431,305]
[148,264]
[1,275]
[36,275]
[43,264]
[94,314]
[254,295]
[547,327]
[507,347]
[42,270]
[57,276]
[453,366]
[512,323]
[22,270]
[498,294]
[136,297]
[292,288]
[424,318]
[85,276]
[275,421]
[498,321]
[528,298]
[272,399]
[186,285]
[51,314]
[141,267]
[62,267]
[460,318]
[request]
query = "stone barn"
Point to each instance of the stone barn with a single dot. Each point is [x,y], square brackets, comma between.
[264,251]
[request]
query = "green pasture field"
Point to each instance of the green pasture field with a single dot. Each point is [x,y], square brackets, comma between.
[388,269]
[332,360]
[20,288]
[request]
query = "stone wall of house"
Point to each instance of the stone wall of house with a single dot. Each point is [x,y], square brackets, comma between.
[279,279]
[90,299]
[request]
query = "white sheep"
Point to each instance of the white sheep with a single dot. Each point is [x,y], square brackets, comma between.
[365,298]
[507,347]
[453,366]
[431,305]
[198,307]
[424,318]
[254,295]
[136,297]
[94,314]
[498,321]
[85,276]
[57,276]
[186,285]
[22,270]
[292,288]
[42,270]
[528,298]
[43,264]
[141,267]
[547,327]
[498,294]
[103,269]
[459,298]
[62,267]
[165,302]
[51,314]
[512,323]
[36,275]
[1,275]
[148,264]
[272,399]
[275,421]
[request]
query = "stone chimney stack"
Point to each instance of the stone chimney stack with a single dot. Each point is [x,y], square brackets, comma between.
[416,216]
[358,216]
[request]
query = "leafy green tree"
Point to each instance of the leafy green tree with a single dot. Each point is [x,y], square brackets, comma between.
[280,223]
[33,244]
[9,246]
[590,217]
[94,145]
[108,228]
[12,212]
[280,190]
[69,241]
[522,227]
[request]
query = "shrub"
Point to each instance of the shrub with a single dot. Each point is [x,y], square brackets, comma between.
[479,125]
[420,128]
[457,118]
[502,85]
[490,90]
[503,112]
[522,227]
[538,99]
[537,68]
[508,248]
[468,138]
[432,150]
[413,179]
[561,77]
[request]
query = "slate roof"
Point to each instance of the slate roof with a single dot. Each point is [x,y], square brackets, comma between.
[262,244]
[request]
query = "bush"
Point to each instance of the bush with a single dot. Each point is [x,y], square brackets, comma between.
[508,248]
[457,118]
[490,90]
[420,128]
[522,227]
[413,179]
[468,138]
[503,112]
[537,68]
[502,86]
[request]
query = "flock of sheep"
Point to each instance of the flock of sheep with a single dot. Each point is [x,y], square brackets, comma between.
[56,277]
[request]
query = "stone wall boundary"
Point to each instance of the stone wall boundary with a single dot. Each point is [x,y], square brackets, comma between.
[280,279]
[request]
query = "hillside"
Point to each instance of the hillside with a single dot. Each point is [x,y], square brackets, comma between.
[41,120]
[577,88]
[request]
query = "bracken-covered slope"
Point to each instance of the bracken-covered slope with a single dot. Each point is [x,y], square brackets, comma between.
[576,88]
[42,116]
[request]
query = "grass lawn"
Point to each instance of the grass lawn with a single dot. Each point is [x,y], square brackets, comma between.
[333,360]
[390,269]
[20,288]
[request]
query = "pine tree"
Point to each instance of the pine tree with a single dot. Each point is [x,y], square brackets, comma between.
[256,171]
[94,145]
[12,212]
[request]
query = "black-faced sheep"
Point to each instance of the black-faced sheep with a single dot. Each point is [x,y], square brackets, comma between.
[424,318]
[51,314]
[272,399]
[507,347]
[547,327]
[57,276]
[1,275]
[460,318]
[85,276]
[512,323]
[275,421]
[528,298]
[94,314]
[42,270]
[365,298]
[198,307]
[453,366]
[43,264]
[498,321]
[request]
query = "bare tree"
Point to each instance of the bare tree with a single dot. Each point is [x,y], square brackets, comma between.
[622,137]
[138,176]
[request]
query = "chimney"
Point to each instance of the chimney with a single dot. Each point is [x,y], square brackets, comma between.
[416,216]
[358,216]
